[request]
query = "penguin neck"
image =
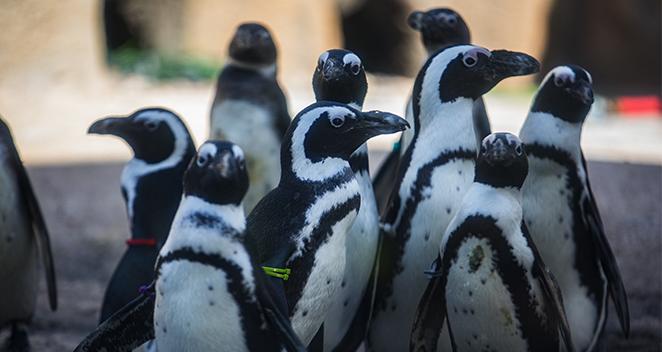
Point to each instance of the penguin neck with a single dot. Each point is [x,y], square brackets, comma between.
[359,159]
[265,70]
[445,126]
[499,202]
[231,215]
[548,130]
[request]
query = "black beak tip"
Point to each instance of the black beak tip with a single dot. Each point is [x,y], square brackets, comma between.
[97,127]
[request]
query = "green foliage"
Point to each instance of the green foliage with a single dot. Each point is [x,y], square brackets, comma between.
[163,67]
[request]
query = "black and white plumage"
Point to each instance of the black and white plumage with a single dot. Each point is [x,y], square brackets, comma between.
[303,223]
[24,241]
[250,108]
[560,209]
[439,28]
[489,284]
[435,172]
[340,77]
[162,148]
[208,295]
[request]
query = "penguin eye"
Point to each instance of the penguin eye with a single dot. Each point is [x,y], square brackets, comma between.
[469,61]
[151,125]
[355,69]
[451,20]
[559,81]
[337,121]
[202,160]
[518,150]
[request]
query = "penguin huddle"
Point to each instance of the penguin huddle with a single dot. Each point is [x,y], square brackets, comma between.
[269,237]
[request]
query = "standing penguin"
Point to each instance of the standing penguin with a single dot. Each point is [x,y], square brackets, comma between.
[435,172]
[560,210]
[301,226]
[23,240]
[340,77]
[250,108]
[489,283]
[209,295]
[439,28]
[152,190]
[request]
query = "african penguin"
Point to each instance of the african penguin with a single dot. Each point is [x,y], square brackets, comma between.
[24,241]
[204,270]
[435,172]
[340,77]
[439,28]
[250,108]
[152,190]
[560,210]
[489,284]
[303,223]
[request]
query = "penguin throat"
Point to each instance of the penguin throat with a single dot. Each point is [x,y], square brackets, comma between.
[446,125]
[266,70]
[546,129]
[231,215]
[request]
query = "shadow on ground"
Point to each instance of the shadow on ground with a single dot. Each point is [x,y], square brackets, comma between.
[86,216]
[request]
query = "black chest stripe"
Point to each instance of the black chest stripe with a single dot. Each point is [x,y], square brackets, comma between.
[252,320]
[585,253]
[302,265]
[403,229]
[540,335]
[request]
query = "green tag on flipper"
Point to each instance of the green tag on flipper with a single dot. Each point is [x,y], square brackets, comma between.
[283,274]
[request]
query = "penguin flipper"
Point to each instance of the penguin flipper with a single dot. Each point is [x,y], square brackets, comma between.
[283,119]
[551,291]
[127,329]
[430,315]
[383,182]
[274,314]
[593,221]
[38,226]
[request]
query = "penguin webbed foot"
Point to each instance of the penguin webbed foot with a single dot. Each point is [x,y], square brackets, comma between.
[17,340]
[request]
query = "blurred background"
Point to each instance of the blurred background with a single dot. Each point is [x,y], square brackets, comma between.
[64,64]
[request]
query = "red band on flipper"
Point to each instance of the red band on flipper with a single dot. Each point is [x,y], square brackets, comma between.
[141,242]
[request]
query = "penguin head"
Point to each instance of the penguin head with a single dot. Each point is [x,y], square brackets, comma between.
[439,28]
[217,174]
[340,77]
[566,92]
[468,71]
[253,45]
[502,161]
[154,134]
[322,137]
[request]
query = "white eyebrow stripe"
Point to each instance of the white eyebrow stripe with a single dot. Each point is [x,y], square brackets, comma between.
[351,58]
[323,57]
[208,149]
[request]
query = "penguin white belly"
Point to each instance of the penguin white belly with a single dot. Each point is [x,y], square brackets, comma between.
[18,255]
[481,313]
[361,247]
[324,282]
[450,182]
[252,128]
[194,310]
[550,219]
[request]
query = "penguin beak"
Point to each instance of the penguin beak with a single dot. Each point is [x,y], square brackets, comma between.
[331,70]
[582,91]
[374,123]
[498,153]
[116,126]
[503,64]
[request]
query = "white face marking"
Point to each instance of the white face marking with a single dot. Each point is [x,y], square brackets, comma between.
[207,152]
[352,59]
[304,168]
[238,152]
[322,58]
[137,168]
[564,73]
[548,130]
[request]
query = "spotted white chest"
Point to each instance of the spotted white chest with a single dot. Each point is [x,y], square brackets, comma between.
[251,127]
[548,215]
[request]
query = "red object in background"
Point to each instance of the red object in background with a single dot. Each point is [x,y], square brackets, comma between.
[638,106]
[141,242]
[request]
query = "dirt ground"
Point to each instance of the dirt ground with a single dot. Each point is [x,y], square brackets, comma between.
[86,216]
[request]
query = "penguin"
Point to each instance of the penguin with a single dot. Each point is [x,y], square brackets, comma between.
[24,241]
[204,270]
[152,189]
[489,283]
[301,226]
[250,108]
[435,173]
[340,77]
[439,28]
[560,209]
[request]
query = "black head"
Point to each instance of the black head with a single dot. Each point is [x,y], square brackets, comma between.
[252,44]
[340,77]
[153,133]
[217,174]
[566,92]
[322,137]
[439,28]
[467,71]
[502,161]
